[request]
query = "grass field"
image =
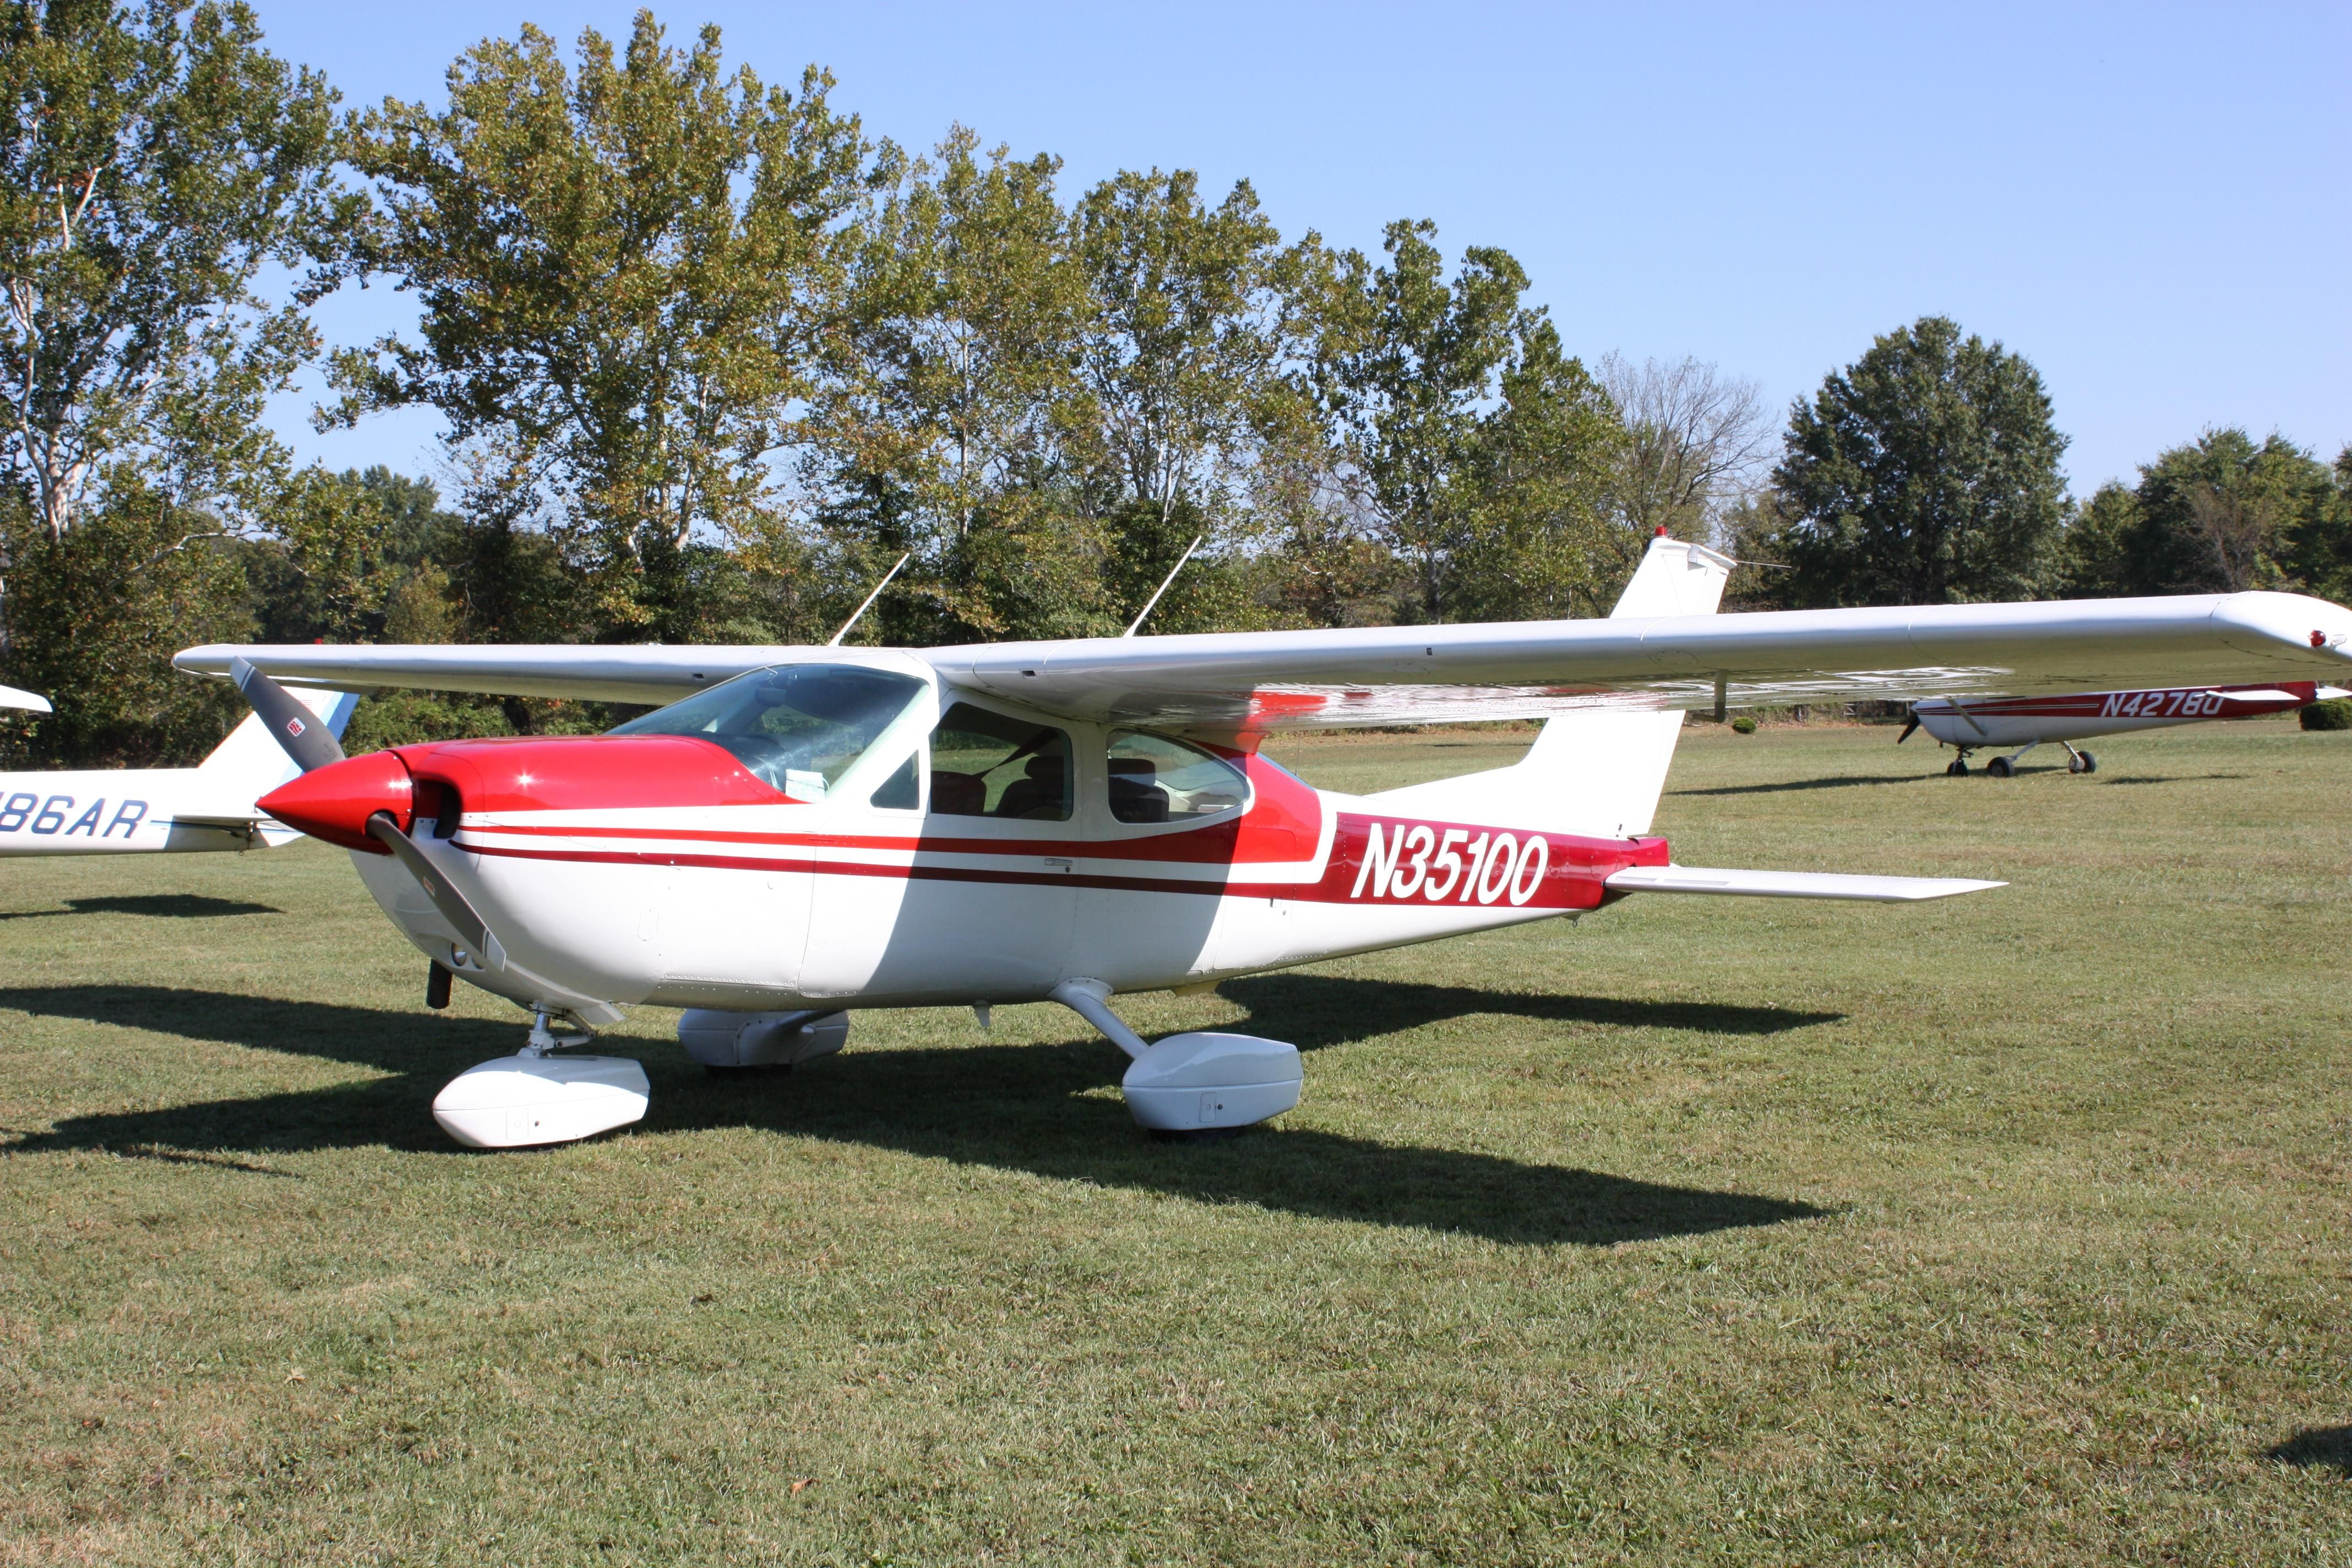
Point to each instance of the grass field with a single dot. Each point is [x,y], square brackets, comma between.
[2011,1229]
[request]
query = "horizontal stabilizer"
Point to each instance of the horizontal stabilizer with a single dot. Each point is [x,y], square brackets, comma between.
[1790,884]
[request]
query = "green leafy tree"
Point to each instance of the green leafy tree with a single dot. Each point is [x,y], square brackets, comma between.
[626,274]
[958,426]
[1925,473]
[348,549]
[1181,349]
[2095,557]
[156,164]
[154,160]
[96,615]
[1542,544]
[1470,443]
[2215,515]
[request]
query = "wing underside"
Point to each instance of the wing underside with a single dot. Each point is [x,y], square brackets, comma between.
[1388,675]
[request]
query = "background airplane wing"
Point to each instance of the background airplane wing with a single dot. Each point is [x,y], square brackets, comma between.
[1388,675]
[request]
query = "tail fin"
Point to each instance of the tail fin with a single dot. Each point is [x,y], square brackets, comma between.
[1596,772]
[250,762]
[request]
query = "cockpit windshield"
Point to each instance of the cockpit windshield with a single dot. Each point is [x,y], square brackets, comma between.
[799,727]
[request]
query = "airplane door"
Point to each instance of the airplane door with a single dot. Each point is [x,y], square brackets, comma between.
[971,897]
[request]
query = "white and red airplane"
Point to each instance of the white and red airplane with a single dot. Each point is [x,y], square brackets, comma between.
[1969,724]
[806,831]
[161,811]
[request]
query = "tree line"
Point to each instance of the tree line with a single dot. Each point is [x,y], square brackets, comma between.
[711,358]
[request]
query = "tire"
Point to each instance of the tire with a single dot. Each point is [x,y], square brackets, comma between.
[2090,764]
[2075,763]
[2001,768]
[1960,768]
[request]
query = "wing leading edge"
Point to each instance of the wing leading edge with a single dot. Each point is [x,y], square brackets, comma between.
[1273,680]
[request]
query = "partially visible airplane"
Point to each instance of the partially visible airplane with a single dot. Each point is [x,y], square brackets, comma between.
[1969,724]
[148,811]
[807,830]
[31,703]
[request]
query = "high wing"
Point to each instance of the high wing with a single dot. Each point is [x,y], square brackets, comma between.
[1241,681]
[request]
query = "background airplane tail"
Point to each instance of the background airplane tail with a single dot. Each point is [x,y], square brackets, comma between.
[1596,772]
[250,764]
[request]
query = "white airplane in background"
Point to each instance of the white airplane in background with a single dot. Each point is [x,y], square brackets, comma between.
[31,703]
[808,830]
[153,811]
[1968,724]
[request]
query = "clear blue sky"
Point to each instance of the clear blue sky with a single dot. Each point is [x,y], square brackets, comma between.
[2149,202]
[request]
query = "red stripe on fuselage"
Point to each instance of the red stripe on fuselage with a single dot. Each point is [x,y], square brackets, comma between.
[1412,863]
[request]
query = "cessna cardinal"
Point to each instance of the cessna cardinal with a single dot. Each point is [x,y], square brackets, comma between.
[151,811]
[806,831]
[1968,724]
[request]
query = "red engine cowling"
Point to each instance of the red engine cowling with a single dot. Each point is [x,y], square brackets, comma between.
[335,802]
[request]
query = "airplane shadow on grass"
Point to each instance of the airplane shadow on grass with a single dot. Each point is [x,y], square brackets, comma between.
[1836,781]
[1018,1107]
[2316,1448]
[1312,1011]
[164,906]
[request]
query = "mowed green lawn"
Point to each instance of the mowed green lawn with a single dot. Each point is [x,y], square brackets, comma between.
[2007,1229]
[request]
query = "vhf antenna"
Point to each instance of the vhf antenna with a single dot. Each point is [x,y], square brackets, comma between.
[1154,600]
[870,600]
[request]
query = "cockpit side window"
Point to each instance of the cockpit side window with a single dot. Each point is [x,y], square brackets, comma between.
[1155,778]
[986,765]
[798,727]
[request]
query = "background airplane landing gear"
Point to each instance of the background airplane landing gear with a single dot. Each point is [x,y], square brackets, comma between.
[2001,768]
[1960,768]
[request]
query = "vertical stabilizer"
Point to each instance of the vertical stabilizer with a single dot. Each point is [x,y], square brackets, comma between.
[1597,771]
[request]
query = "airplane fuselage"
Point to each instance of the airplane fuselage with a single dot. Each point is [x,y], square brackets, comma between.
[130,811]
[655,869]
[1995,722]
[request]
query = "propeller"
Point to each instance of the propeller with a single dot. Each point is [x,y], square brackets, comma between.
[1909,724]
[471,929]
[312,748]
[297,729]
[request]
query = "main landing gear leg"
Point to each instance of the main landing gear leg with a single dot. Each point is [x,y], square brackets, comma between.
[535,1097]
[2006,767]
[1193,1085]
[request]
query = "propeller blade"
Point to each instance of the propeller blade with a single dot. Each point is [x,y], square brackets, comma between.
[470,927]
[1909,725]
[296,728]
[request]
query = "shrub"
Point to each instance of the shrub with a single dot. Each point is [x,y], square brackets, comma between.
[2335,714]
[1744,725]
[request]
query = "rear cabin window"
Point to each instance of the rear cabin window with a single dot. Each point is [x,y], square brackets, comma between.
[1156,779]
[985,765]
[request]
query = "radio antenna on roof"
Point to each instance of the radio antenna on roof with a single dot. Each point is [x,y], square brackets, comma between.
[1150,603]
[870,600]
